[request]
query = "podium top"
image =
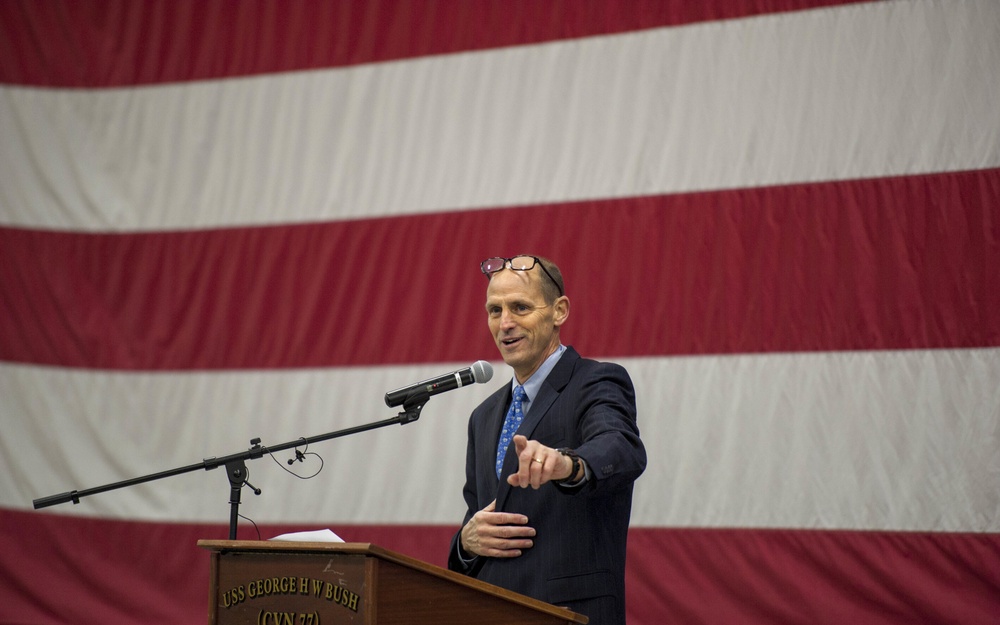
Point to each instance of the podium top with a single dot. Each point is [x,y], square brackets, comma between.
[380,553]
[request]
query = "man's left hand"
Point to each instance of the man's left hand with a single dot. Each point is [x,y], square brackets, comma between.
[537,464]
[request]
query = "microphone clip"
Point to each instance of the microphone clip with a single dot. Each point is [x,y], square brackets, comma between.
[412,406]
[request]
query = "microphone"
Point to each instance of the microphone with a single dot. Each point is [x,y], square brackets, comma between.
[479,373]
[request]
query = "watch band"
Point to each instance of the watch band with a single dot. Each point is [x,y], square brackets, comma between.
[577,465]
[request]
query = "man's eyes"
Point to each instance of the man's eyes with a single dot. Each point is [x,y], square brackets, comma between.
[517,309]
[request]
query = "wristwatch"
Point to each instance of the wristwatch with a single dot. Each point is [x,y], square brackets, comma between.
[577,465]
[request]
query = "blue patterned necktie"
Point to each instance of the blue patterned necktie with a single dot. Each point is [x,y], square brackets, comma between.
[510,425]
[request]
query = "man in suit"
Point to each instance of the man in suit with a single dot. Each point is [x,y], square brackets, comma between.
[551,457]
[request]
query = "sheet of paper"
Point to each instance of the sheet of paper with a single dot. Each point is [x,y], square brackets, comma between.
[313,536]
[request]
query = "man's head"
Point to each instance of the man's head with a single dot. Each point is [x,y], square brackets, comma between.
[526,305]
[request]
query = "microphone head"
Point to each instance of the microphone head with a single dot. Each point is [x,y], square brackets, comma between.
[482,371]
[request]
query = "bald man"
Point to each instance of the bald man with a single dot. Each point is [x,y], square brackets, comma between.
[552,456]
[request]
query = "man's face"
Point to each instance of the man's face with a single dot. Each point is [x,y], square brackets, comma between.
[524,327]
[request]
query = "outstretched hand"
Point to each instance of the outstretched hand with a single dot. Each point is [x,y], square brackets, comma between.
[537,464]
[497,534]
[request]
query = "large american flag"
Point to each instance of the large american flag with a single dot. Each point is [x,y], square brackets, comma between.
[225,220]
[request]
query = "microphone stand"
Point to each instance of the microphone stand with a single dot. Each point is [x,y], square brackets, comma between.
[236,468]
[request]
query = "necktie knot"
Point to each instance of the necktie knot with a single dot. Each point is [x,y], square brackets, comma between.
[515,414]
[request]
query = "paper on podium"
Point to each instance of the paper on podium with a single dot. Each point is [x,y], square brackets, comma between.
[313,536]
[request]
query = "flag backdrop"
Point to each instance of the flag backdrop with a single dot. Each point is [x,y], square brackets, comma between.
[223,220]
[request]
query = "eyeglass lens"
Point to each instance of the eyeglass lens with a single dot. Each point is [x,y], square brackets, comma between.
[522,263]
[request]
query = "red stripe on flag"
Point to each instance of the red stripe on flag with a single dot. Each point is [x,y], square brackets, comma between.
[753,576]
[76,570]
[901,263]
[107,43]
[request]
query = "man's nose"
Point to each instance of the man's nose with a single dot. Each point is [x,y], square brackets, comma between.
[506,318]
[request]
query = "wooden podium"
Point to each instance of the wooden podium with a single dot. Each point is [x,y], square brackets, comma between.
[302,583]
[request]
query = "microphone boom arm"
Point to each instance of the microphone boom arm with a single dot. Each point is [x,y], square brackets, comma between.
[236,463]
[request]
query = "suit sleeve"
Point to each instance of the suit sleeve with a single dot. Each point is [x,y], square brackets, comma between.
[610,442]
[456,563]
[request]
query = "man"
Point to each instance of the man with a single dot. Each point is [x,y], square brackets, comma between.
[549,505]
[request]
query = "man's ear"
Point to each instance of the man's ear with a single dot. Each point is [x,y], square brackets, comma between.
[561,308]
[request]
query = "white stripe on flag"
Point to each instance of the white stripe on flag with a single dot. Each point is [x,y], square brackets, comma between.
[783,98]
[847,440]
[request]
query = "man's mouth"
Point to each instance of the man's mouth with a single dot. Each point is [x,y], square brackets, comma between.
[510,341]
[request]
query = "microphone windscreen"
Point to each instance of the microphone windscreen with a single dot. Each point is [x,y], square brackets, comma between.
[482,371]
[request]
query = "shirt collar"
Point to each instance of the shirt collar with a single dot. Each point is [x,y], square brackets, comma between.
[534,383]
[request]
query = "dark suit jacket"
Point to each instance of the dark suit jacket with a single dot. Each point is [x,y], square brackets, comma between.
[578,557]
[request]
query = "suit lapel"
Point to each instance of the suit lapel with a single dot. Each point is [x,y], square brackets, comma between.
[553,385]
[494,423]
